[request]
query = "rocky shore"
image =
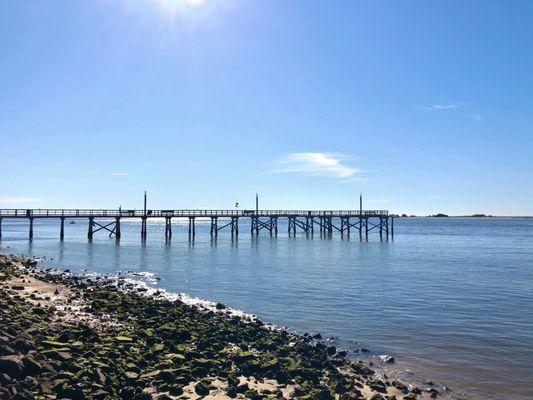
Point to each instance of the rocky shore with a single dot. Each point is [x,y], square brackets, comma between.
[64,336]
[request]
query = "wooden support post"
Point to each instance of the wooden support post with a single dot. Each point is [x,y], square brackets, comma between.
[193,227]
[0,227]
[216,227]
[168,228]
[360,228]
[392,227]
[62,229]
[143,227]
[366,228]
[312,226]
[236,226]
[91,228]
[381,228]
[190,227]
[276,226]
[31,228]
[348,227]
[117,228]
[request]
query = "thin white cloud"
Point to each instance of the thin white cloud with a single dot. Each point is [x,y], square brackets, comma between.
[317,164]
[476,117]
[433,197]
[14,200]
[120,174]
[355,179]
[438,107]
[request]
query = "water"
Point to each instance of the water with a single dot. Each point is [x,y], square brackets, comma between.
[451,299]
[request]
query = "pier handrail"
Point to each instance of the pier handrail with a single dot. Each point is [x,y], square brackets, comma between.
[134,213]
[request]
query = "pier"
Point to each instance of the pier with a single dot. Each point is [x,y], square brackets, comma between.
[309,222]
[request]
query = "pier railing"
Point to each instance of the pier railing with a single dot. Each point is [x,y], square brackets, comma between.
[113,213]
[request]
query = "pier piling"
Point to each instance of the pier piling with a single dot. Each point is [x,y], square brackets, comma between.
[31,228]
[117,229]
[168,228]
[90,229]
[62,229]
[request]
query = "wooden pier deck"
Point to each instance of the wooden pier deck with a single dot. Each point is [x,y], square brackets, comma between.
[326,222]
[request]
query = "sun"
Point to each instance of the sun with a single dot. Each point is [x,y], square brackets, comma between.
[175,5]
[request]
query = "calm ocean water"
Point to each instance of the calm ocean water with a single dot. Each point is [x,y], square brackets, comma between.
[451,299]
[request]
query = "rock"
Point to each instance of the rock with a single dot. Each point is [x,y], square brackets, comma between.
[100,395]
[325,394]
[387,359]
[143,396]
[31,366]
[202,388]
[17,287]
[131,375]
[11,365]
[220,306]
[72,393]
[124,339]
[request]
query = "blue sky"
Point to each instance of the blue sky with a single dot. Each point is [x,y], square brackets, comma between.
[423,106]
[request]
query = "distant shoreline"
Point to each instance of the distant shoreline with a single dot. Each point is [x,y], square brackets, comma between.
[461,217]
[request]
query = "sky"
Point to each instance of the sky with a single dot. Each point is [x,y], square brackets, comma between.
[421,106]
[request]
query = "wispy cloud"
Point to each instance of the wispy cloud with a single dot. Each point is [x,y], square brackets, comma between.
[439,107]
[120,174]
[476,117]
[433,197]
[317,164]
[355,179]
[14,200]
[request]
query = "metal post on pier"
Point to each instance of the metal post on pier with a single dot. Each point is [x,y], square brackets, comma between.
[62,229]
